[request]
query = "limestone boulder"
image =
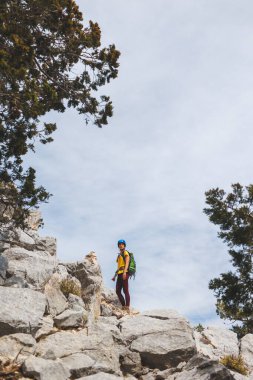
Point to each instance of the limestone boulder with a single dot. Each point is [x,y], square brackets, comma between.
[101,376]
[3,269]
[98,345]
[22,238]
[35,267]
[88,272]
[34,220]
[41,369]
[21,310]
[130,362]
[16,282]
[79,364]
[109,296]
[201,368]
[215,342]
[75,302]
[162,338]
[47,327]
[247,350]
[16,347]
[46,244]
[71,318]
[57,302]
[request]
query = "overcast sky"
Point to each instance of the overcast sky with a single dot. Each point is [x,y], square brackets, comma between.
[182,124]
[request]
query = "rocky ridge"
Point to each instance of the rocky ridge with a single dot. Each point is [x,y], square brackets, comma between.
[78,331]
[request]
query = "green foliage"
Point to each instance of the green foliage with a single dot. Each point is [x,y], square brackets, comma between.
[69,286]
[233,213]
[235,363]
[199,328]
[48,61]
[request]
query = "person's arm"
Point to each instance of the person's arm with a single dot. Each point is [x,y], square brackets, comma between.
[126,267]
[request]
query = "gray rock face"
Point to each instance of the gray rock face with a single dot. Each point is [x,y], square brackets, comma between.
[98,346]
[78,364]
[57,302]
[3,268]
[47,327]
[200,368]
[22,239]
[161,340]
[75,302]
[47,244]
[42,369]
[35,267]
[15,282]
[88,272]
[21,310]
[215,342]
[130,362]
[34,220]
[101,376]
[16,346]
[71,318]
[247,350]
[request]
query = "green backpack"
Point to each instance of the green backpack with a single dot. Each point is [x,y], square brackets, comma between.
[132,265]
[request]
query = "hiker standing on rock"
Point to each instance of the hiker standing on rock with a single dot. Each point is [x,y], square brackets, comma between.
[122,275]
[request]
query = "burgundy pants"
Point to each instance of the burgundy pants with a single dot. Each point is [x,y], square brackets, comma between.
[123,284]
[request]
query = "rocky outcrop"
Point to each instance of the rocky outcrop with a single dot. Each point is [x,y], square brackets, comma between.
[162,338]
[58,321]
[21,310]
[88,272]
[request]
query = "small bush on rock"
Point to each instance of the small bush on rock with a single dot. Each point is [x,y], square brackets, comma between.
[10,370]
[199,328]
[235,363]
[68,286]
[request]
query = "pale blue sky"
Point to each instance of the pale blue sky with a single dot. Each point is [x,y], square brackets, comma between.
[182,124]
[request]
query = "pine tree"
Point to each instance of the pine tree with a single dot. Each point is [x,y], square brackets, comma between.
[48,61]
[233,213]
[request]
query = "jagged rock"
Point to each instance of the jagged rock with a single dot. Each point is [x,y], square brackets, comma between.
[101,326]
[16,346]
[21,310]
[15,282]
[42,369]
[238,376]
[61,270]
[98,345]
[35,267]
[215,342]
[47,327]
[201,368]
[161,341]
[57,302]
[78,364]
[47,244]
[88,272]
[163,375]
[130,362]
[75,302]
[105,310]
[22,239]
[149,376]
[71,318]
[101,376]
[109,296]
[3,269]
[247,350]
[34,220]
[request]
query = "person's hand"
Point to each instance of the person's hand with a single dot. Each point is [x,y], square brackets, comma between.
[124,276]
[113,279]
